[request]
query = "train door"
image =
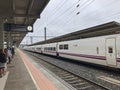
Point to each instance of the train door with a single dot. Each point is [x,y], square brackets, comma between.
[110,51]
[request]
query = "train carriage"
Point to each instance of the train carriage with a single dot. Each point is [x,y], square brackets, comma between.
[103,50]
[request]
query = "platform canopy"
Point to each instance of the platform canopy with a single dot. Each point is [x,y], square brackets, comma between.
[20,12]
[100,30]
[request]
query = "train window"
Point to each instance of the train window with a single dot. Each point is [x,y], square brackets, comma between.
[51,48]
[60,46]
[65,46]
[110,50]
[54,49]
[38,48]
[97,50]
[48,48]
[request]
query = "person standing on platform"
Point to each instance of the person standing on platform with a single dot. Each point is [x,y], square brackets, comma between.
[13,51]
[9,55]
[6,53]
[2,62]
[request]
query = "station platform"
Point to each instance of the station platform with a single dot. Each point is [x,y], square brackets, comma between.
[24,74]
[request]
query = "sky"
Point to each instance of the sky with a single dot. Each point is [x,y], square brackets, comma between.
[65,16]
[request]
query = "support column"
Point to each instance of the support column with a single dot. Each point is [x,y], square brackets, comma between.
[45,32]
[8,40]
[31,39]
[1,34]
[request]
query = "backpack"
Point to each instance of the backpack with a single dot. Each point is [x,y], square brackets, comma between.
[3,58]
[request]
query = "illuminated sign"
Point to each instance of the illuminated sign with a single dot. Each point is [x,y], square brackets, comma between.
[18,27]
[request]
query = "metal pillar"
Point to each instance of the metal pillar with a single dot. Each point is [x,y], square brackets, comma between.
[31,39]
[45,33]
[1,33]
[9,39]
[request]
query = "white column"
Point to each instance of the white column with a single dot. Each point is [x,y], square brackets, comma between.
[1,34]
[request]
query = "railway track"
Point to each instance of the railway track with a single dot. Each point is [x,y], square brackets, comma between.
[79,83]
[75,81]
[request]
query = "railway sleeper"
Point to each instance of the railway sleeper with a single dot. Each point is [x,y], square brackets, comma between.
[71,79]
[90,87]
[67,77]
[74,82]
[80,84]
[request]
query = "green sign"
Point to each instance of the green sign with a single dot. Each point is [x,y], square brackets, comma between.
[18,27]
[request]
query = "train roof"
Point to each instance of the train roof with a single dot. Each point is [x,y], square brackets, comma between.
[100,30]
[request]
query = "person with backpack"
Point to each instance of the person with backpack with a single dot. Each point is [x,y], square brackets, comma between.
[2,62]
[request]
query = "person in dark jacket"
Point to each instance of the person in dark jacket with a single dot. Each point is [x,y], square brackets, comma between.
[6,54]
[2,62]
[13,51]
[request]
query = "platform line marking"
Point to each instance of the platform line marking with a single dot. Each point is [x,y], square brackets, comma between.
[38,88]
[111,80]
[43,82]
[3,81]
[32,77]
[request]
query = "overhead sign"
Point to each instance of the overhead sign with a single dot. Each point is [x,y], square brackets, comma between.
[18,27]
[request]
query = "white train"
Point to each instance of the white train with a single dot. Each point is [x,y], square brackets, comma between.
[102,50]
